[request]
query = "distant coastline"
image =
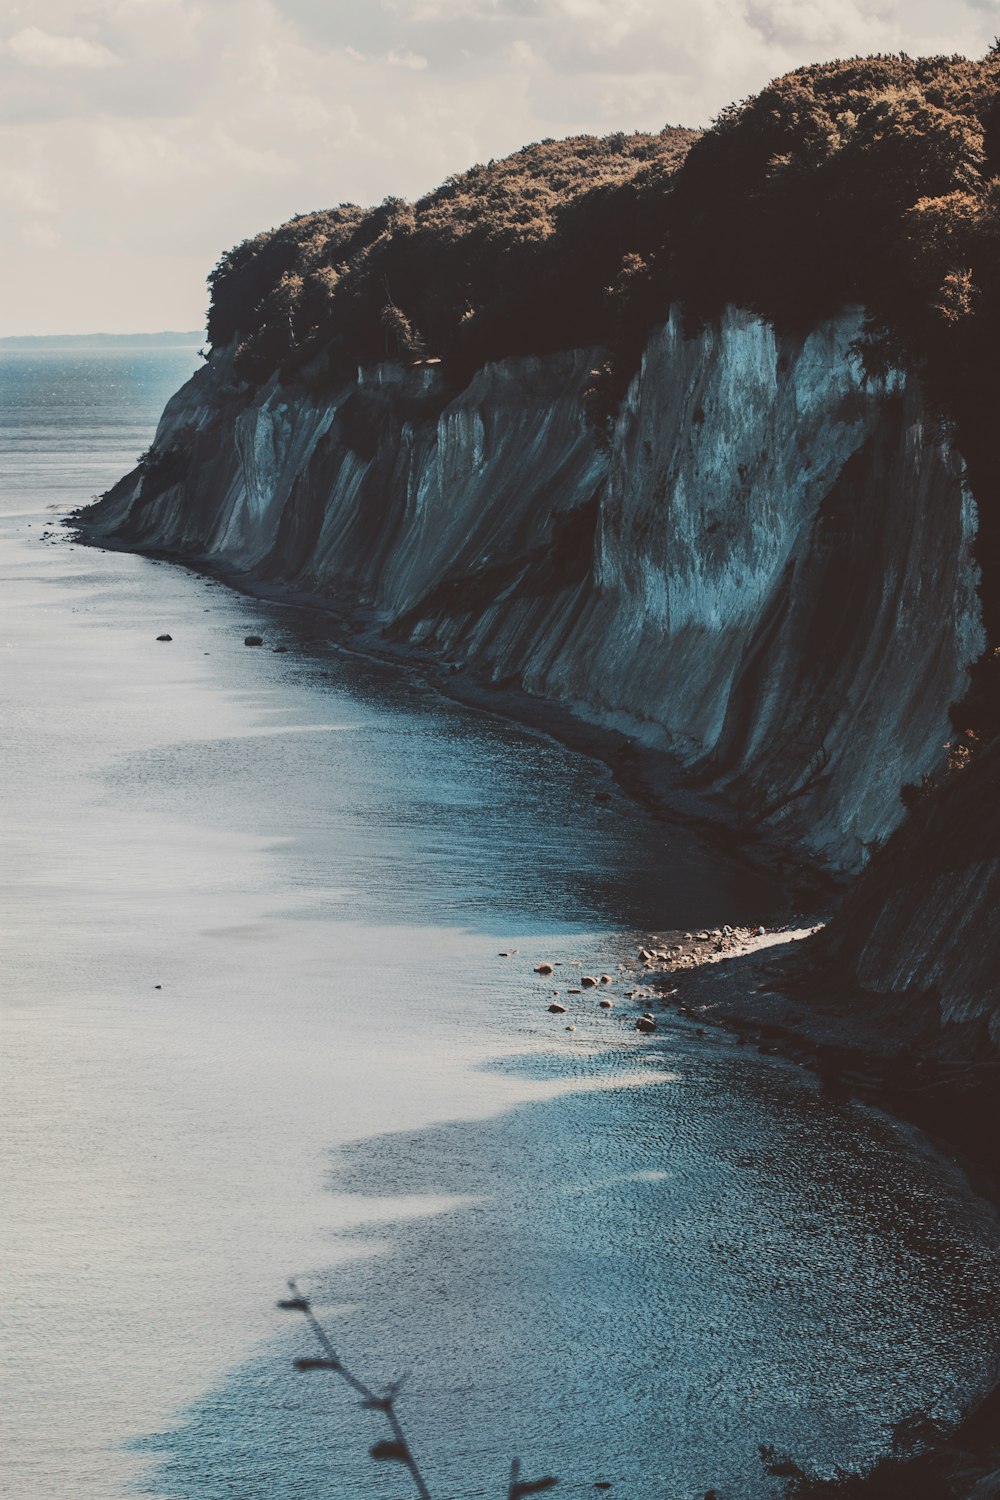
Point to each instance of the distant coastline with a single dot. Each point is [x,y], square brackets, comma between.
[43,341]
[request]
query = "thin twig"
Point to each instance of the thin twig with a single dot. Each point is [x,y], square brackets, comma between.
[332,1361]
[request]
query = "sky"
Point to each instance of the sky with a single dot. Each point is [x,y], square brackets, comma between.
[141,138]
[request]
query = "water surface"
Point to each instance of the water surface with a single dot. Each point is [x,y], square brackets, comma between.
[255,1023]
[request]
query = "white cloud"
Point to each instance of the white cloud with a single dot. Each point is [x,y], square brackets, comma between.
[44,49]
[401,57]
[41,237]
[864,24]
[25,191]
[230,115]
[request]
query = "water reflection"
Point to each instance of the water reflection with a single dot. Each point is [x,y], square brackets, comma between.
[637,1281]
[251,906]
[414,809]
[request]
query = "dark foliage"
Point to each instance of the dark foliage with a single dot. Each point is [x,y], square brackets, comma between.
[508,258]
[874,181]
[871,182]
[167,464]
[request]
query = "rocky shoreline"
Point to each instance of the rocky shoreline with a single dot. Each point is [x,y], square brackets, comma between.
[768,986]
[772,985]
[765,987]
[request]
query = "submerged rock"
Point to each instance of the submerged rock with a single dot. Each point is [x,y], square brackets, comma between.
[253,640]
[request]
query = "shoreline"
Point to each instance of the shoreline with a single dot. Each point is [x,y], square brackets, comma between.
[710,980]
[833,1038]
[650,777]
[752,984]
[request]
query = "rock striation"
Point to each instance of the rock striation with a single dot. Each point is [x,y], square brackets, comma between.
[768,573]
[922,920]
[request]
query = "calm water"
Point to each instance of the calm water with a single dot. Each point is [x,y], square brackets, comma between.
[255,1024]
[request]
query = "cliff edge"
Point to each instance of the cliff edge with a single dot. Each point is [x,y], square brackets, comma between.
[768,573]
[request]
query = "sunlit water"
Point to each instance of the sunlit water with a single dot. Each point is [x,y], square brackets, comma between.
[254,1023]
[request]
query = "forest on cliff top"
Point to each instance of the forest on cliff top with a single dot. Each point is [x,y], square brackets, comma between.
[870,181]
[873,182]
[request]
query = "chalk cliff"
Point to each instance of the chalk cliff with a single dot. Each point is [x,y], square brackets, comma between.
[769,574]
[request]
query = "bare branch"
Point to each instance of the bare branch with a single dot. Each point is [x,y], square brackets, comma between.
[398,1449]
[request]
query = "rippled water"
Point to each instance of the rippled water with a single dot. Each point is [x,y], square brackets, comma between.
[255,1023]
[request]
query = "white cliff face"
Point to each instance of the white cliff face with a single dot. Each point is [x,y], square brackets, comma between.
[770,574]
[782,579]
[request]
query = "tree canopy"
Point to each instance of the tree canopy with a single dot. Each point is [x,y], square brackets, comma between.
[873,181]
[509,257]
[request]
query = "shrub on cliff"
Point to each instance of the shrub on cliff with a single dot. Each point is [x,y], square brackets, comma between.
[874,181]
[870,181]
[510,257]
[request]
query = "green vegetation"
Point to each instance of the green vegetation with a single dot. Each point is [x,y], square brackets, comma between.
[874,182]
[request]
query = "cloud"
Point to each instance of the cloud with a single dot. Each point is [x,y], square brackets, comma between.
[825,23]
[41,237]
[36,48]
[24,191]
[150,135]
[402,58]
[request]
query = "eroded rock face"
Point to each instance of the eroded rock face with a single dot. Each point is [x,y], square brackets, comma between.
[922,920]
[770,573]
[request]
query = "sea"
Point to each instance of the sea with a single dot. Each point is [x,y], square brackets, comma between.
[256,1025]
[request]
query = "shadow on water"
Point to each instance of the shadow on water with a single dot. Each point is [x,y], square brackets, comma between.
[416,810]
[668,1257]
